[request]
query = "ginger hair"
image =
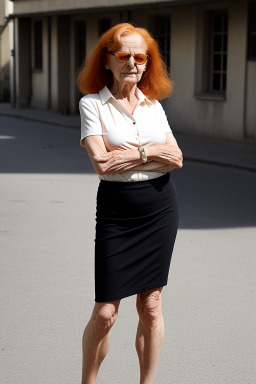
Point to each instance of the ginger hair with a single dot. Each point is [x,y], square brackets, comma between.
[93,76]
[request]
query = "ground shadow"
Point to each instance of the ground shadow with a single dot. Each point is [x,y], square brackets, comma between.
[210,196]
[215,197]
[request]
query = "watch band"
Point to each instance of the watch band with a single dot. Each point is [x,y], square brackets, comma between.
[143,155]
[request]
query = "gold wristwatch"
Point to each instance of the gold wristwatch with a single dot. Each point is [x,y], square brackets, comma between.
[143,155]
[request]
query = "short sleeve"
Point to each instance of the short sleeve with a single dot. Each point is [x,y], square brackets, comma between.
[162,118]
[90,121]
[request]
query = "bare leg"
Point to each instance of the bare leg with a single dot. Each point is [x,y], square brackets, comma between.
[95,342]
[150,333]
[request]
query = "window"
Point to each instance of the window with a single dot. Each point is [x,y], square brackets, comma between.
[218,52]
[104,25]
[38,45]
[162,30]
[80,43]
[252,31]
[79,52]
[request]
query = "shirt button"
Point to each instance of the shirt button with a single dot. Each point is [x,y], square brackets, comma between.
[134,122]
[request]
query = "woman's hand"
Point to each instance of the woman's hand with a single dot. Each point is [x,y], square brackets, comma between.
[168,153]
[161,157]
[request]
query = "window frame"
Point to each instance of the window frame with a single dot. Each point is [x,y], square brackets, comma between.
[213,53]
[104,23]
[79,42]
[166,35]
[203,71]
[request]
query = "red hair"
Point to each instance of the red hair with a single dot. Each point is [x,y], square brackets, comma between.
[93,76]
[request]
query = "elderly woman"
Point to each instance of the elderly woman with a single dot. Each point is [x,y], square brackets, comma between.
[131,146]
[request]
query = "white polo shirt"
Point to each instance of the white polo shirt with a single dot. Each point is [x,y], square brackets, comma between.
[101,114]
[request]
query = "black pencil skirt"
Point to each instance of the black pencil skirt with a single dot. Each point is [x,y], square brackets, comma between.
[136,226]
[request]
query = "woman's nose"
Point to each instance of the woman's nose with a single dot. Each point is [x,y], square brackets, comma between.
[131,62]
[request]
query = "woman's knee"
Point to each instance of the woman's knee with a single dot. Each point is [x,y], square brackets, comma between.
[149,305]
[104,316]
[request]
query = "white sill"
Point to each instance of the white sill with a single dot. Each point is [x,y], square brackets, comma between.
[210,96]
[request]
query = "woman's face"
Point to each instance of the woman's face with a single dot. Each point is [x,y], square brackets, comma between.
[128,72]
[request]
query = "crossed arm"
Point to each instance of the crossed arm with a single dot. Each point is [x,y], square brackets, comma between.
[161,157]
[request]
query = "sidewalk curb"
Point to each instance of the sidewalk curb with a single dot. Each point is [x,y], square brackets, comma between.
[191,159]
[72,126]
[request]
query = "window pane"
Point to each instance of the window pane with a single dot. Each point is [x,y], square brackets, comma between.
[162,26]
[162,35]
[217,43]
[225,22]
[252,31]
[225,42]
[80,33]
[103,26]
[217,62]
[253,15]
[217,23]
[167,59]
[168,42]
[216,82]
[162,43]
[253,46]
[224,82]
[218,52]
[224,63]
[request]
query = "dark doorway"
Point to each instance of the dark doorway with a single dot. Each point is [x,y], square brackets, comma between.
[80,51]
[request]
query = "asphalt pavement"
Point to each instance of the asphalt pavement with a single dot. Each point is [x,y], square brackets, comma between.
[240,154]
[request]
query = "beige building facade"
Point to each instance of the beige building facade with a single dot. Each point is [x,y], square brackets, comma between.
[6,8]
[209,46]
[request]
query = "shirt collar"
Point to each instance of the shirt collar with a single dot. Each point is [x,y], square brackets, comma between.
[105,95]
[142,97]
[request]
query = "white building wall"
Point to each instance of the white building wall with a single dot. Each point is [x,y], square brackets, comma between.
[5,49]
[5,64]
[183,32]
[207,117]
[233,126]
[2,12]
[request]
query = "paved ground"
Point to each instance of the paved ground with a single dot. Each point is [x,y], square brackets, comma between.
[47,229]
[237,154]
